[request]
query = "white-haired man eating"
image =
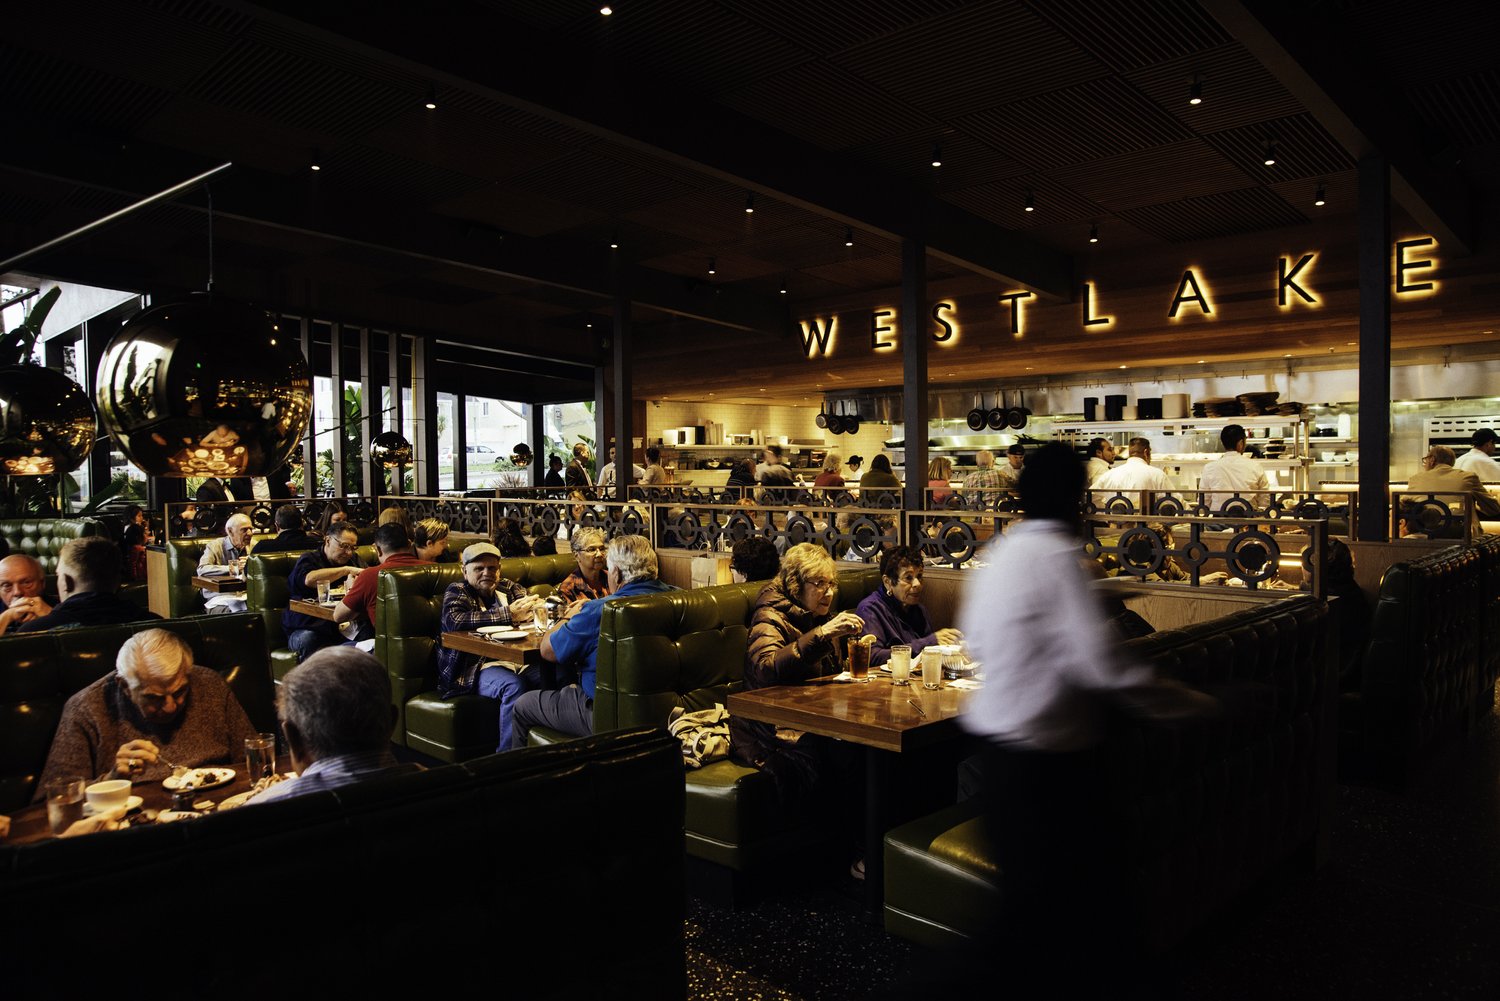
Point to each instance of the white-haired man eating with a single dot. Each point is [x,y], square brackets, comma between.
[157,707]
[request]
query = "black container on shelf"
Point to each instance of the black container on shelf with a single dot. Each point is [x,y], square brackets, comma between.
[1148,408]
[1091,408]
[1114,407]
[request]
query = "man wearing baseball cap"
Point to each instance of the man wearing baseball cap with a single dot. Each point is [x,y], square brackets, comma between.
[484,598]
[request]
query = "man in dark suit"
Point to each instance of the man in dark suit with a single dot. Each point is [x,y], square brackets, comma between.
[213,490]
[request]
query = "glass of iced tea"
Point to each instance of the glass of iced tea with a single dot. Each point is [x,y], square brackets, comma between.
[859,658]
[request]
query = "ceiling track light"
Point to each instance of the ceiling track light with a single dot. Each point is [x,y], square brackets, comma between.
[750,203]
[1030,202]
[937,154]
[1320,197]
[606,10]
[1093,232]
[713,265]
[1270,159]
[1195,91]
[317,161]
[431,103]
[848,236]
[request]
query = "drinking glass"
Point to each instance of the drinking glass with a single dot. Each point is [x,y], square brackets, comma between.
[260,756]
[901,665]
[541,617]
[859,660]
[64,802]
[932,668]
[323,592]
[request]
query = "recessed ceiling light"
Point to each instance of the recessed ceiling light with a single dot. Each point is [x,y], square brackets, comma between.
[937,155]
[1030,202]
[1122,366]
[606,11]
[1320,197]
[1270,159]
[750,204]
[713,265]
[1094,233]
[848,236]
[431,103]
[1195,92]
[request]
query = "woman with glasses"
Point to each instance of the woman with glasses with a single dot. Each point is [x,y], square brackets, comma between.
[590,580]
[794,635]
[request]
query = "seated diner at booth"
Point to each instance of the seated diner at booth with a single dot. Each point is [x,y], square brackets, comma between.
[156,707]
[893,613]
[591,579]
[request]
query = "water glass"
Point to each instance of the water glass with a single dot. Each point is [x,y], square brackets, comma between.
[900,665]
[260,756]
[932,668]
[64,802]
[323,592]
[541,617]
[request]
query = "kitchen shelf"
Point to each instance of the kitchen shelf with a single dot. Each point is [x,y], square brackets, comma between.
[1181,424]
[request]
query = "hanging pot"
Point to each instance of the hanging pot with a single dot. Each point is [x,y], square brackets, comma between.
[836,421]
[1018,414]
[997,418]
[822,419]
[851,422]
[977,416]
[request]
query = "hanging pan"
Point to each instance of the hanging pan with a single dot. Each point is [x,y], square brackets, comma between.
[997,418]
[1018,415]
[978,415]
[822,419]
[836,421]
[851,422]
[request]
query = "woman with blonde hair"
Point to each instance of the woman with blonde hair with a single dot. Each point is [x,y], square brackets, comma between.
[939,473]
[430,536]
[793,639]
[830,477]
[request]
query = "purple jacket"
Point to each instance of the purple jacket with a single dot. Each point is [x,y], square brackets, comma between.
[893,623]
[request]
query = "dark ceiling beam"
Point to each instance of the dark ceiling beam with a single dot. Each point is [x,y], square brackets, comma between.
[306,205]
[571,85]
[1307,49]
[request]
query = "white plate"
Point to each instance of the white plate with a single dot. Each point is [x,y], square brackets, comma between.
[132,803]
[502,632]
[208,778]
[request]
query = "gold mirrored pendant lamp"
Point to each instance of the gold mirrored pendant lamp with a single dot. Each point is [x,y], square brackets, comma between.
[46,422]
[390,449]
[521,455]
[206,386]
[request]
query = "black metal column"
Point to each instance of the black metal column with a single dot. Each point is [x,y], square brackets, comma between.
[310,442]
[336,376]
[914,369]
[1374,348]
[538,444]
[623,383]
[371,480]
[424,408]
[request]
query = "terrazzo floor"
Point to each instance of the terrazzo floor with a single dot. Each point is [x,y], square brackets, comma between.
[1408,908]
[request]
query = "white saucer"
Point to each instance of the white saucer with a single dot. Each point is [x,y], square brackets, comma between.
[133,803]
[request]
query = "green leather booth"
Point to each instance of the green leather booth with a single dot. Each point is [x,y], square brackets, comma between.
[548,873]
[1426,674]
[43,538]
[1208,807]
[182,566]
[687,648]
[267,594]
[408,613]
[39,671]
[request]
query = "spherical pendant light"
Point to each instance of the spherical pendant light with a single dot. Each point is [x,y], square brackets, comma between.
[390,449]
[207,386]
[46,422]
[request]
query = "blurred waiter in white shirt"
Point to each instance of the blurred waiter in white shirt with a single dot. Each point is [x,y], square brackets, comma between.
[1233,472]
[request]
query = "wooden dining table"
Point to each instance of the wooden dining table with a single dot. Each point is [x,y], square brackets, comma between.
[882,717]
[220,585]
[29,823]
[313,608]
[521,652]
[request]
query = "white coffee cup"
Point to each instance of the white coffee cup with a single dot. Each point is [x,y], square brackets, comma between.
[108,794]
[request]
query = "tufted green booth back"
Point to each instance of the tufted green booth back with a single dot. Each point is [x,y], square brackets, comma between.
[683,648]
[43,538]
[407,619]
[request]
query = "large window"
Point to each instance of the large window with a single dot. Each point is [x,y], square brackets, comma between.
[564,425]
[447,411]
[493,428]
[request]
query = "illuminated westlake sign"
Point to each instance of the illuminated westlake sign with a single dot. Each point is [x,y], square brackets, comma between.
[1413,267]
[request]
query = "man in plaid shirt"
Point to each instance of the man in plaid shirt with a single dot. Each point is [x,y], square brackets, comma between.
[986,475]
[484,598]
